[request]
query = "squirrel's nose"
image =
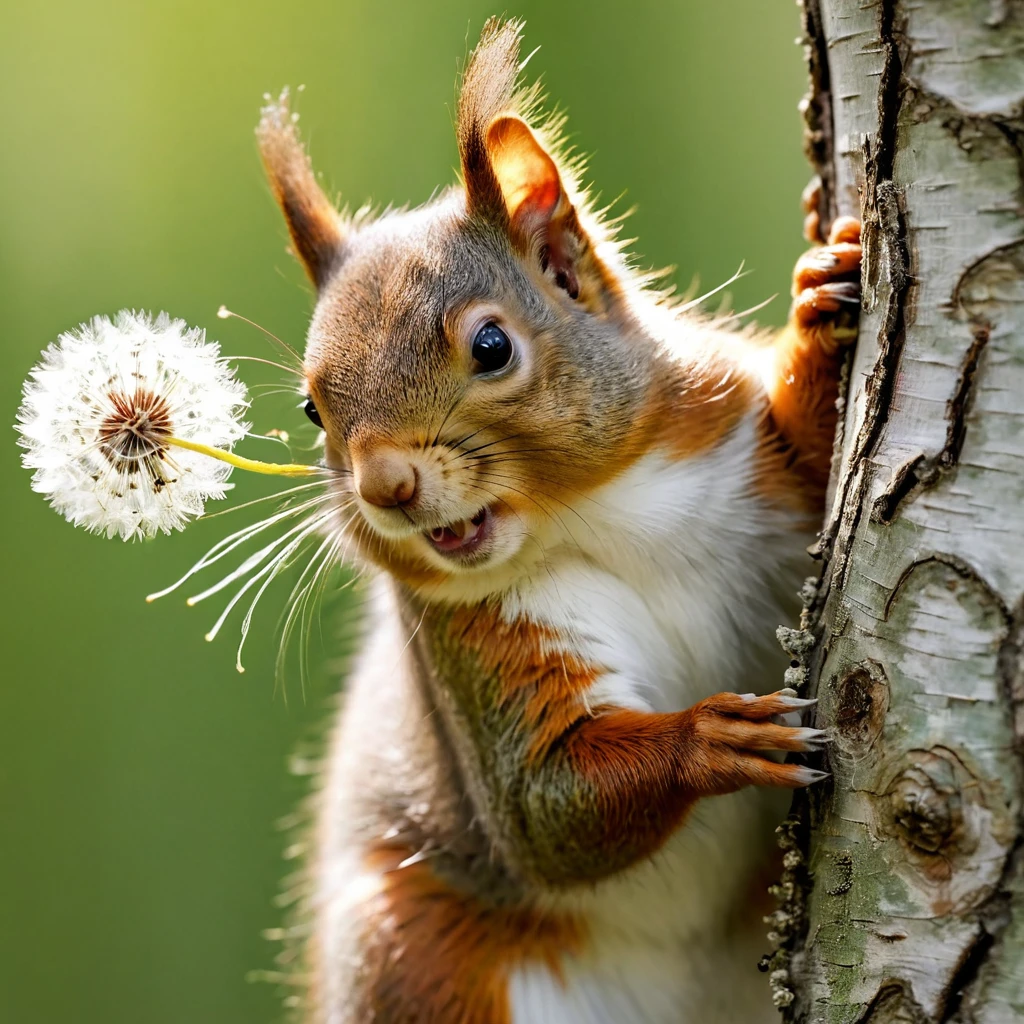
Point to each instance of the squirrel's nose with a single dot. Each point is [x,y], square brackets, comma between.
[384,477]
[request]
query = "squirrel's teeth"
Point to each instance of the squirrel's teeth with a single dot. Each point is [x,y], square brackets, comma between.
[454,536]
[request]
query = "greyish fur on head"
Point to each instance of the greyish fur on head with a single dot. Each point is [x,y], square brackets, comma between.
[389,355]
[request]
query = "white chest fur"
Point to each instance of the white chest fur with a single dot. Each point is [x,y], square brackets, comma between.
[672,578]
[672,581]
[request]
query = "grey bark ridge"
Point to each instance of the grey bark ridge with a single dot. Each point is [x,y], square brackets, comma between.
[903,895]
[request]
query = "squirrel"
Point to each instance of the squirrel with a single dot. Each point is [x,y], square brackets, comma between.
[551,790]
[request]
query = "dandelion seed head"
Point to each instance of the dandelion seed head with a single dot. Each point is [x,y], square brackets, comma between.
[97,413]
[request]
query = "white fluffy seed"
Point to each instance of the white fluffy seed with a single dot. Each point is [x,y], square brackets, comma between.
[96,412]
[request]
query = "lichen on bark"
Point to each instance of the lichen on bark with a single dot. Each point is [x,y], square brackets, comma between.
[906,898]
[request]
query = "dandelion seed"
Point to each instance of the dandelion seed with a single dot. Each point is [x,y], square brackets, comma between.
[128,424]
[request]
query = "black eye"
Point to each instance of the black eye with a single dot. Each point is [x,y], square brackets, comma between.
[310,410]
[492,348]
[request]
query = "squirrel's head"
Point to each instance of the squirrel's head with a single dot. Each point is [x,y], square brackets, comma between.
[469,360]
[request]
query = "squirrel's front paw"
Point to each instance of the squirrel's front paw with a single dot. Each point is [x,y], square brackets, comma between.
[826,282]
[730,733]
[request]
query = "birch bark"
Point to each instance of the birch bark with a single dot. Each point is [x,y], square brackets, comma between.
[903,898]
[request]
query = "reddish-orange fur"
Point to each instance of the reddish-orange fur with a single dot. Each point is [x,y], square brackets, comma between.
[435,954]
[645,768]
[529,666]
[803,393]
[651,768]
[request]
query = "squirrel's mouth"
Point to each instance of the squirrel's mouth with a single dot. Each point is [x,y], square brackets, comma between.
[461,538]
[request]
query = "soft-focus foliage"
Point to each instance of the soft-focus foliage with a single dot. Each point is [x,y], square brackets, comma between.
[140,776]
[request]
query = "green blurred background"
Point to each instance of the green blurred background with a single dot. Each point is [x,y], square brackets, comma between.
[140,776]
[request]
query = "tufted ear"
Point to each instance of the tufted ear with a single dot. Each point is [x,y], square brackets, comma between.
[488,89]
[512,179]
[316,228]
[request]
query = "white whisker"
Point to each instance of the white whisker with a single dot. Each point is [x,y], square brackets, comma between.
[235,540]
[223,313]
[257,501]
[299,600]
[247,621]
[271,567]
[685,306]
[269,362]
[254,559]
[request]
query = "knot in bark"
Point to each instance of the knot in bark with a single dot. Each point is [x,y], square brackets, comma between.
[858,703]
[926,805]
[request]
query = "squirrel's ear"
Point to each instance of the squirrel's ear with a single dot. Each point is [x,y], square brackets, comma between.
[511,179]
[540,214]
[316,228]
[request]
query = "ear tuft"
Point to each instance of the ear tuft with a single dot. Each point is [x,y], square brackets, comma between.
[313,223]
[489,88]
[516,171]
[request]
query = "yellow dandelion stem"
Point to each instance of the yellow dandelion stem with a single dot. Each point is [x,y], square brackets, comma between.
[253,465]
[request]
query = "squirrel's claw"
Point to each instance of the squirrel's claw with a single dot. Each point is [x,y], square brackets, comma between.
[735,730]
[826,282]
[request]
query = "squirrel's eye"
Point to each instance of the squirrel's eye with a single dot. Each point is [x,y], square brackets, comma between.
[492,348]
[310,410]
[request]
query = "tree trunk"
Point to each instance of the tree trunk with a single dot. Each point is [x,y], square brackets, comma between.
[903,898]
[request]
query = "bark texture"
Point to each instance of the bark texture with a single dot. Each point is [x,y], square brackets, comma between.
[903,898]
